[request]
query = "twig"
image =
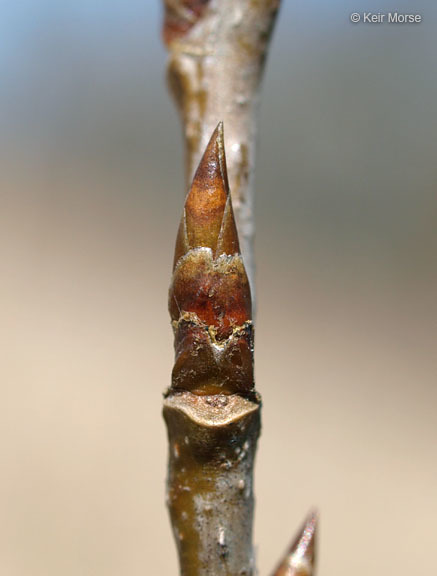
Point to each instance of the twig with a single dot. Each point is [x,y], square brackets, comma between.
[217,53]
[211,410]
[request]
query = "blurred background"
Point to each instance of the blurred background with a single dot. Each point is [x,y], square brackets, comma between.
[91,192]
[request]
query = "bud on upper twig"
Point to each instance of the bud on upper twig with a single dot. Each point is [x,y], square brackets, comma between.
[299,560]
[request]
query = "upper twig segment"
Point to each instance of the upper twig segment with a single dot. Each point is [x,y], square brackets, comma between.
[209,301]
[299,560]
[217,50]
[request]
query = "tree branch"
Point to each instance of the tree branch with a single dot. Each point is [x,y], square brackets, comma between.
[217,55]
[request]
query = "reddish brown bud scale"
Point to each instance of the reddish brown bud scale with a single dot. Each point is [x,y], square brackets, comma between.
[214,290]
[209,299]
[300,558]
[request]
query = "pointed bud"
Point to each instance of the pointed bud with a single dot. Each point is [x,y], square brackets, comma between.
[300,558]
[208,219]
[209,299]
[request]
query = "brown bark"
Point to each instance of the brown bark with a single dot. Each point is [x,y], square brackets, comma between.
[210,497]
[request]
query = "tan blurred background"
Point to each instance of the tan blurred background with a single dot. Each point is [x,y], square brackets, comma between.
[91,194]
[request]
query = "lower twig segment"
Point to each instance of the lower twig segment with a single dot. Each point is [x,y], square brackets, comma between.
[210,497]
